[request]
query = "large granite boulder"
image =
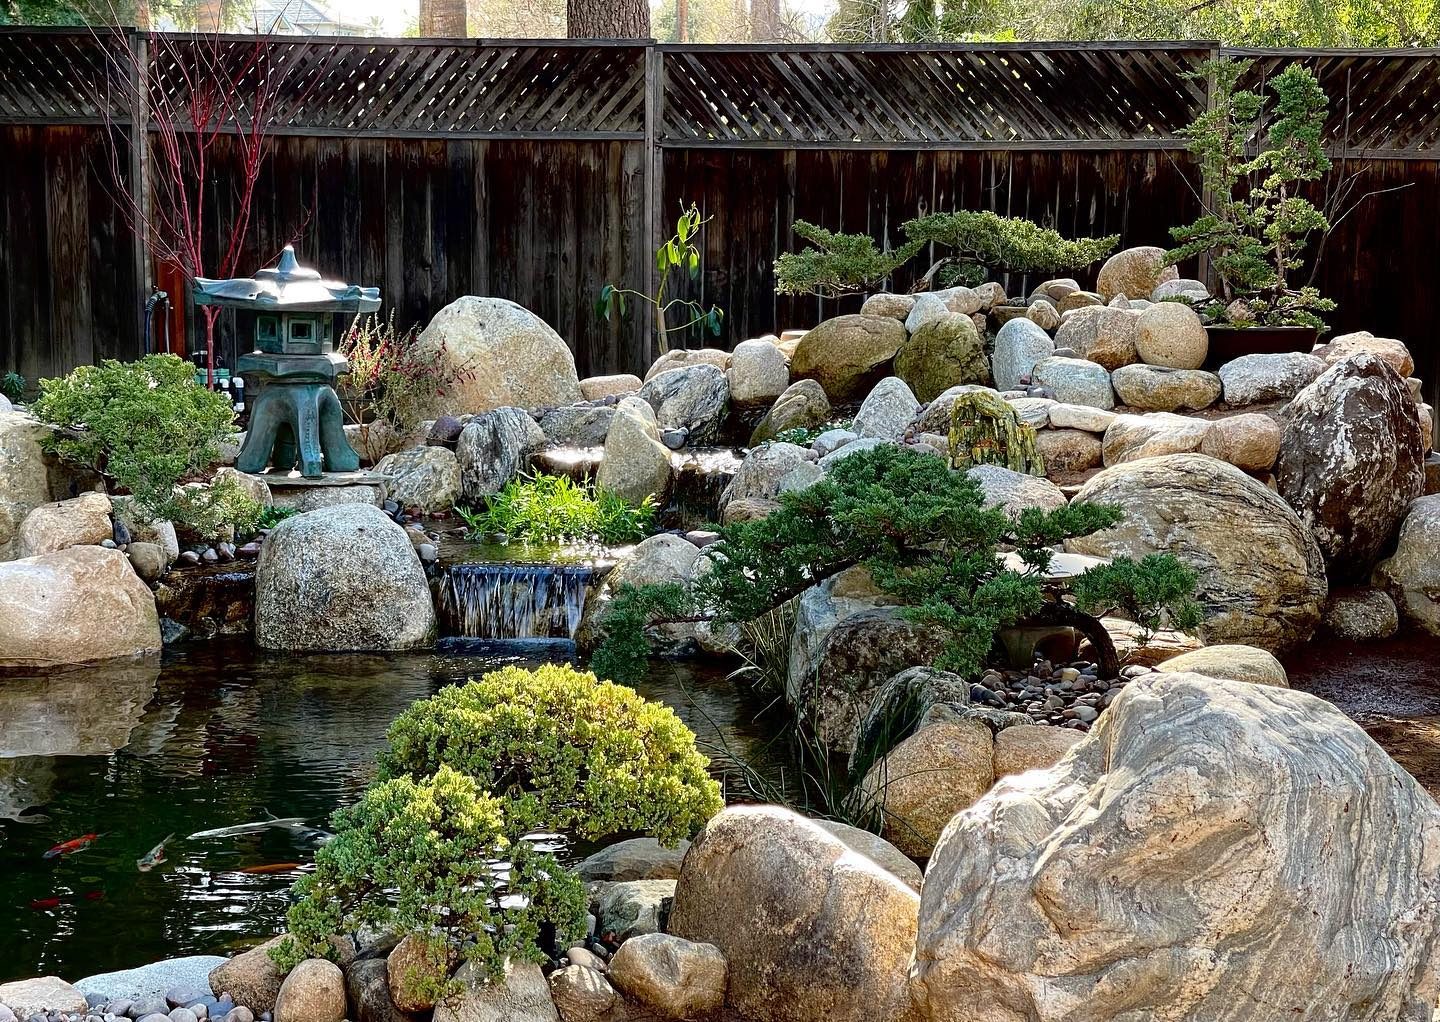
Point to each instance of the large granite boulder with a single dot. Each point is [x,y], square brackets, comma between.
[428,478]
[75,605]
[494,448]
[1134,273]
[1155,873]
[1265,378]
[693,398]
[636,463]
[812,930]
[887,410]
[1102,335]
[678,978]
[763,470]
[79,521]
[1075,381]
[341,578]
[1250,440]
[1132,437]
[504,355]
[1388,349]
[1015,491]
[29,476]
[1171,335]
[521,995]
[758,373]
[926,779]
[1412,574]
[1231,662]
[1262,576]
[803,405]
[582,425]
[848,355]
[314,991]
[1351,461]
[25,998]
[1019,344]
[1153,388]
[946,352]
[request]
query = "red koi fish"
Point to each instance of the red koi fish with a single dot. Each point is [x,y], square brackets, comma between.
[45,904]
[73,845]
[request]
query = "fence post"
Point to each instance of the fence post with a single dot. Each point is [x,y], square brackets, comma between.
[140,174]
[653,167]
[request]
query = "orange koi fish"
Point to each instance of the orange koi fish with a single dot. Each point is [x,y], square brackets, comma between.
[73,845]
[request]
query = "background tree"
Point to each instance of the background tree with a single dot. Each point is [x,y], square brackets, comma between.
[442,18]
[607,19]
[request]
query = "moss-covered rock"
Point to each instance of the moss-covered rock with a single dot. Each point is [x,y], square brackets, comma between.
[943,353]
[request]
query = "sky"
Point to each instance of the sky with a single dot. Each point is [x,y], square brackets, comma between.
[397,15]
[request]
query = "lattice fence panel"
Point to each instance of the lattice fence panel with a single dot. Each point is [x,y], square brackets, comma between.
[426,88]
[59,77]
[1380,103]
[906,95]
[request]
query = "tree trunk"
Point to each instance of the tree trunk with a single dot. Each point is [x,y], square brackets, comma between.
[608,19]
[764,21]
[682,21]
[442,19]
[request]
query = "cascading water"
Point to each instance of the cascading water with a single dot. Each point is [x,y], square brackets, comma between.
[514,600]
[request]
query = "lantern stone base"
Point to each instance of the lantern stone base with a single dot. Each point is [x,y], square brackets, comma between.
[293,490]
[296,418]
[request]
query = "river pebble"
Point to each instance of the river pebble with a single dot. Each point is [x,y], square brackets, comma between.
[1070,696]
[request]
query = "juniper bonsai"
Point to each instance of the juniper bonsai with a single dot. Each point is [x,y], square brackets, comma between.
[982,243]
[929,541]
[837,264]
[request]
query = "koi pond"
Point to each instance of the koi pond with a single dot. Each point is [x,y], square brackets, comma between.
[217,735]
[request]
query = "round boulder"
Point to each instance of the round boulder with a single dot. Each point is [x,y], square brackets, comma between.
[758,373]
[928,778]
[1170,334]
[1134,272]
[1250,441]
[1069,450]
[1015,491]
[1075,381]
[1265,378]
[678,978]
[1261,574]
[79,521]
[886,410]
[1412,574]
[341,578]
[848,355]
[810,928]
[427,478]
[1232,662]
[72,606]
[1101,334]
[1351,461]
[1361,614]
[803,405]
[945,352]
[314,991]
[1158,389]
[503,355]
[1019,345]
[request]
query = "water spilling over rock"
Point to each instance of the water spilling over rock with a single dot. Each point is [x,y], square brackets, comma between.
[514,601]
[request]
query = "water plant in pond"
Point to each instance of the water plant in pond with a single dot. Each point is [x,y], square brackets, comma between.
[929,542]
[145,425]
[465,776]
[557,509]
[677,254]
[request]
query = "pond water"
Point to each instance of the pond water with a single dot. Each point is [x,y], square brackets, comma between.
[216,735]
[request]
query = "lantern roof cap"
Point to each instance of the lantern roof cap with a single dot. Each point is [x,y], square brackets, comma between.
[287,287]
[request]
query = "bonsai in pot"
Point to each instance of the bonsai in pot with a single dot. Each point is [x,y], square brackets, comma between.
[1256,225]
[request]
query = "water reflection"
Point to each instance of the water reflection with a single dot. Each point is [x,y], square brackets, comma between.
[221,735]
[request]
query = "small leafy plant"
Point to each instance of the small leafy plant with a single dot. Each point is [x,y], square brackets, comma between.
[393,384]
[1258,226]
[12,385]
[437,848]
[678,254]
[837,264]
[220,509]
[557,509]
[144,425]
[804,436]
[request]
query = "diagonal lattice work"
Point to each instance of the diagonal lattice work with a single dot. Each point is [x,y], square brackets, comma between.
[428,88]
[902,95]
[1382,103]
[60,77]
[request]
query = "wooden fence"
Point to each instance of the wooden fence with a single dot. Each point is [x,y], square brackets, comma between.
[540,170]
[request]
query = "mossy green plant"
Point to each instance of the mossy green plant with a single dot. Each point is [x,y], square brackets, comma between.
[985,430]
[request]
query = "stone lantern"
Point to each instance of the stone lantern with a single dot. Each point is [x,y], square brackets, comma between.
[296,416]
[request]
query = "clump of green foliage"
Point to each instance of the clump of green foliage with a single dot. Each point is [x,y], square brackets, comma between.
[804,436]
[986,430]
[416,856]
[557,509]
[144,425]
[1155,592]
[217,511]
[465,776]
[12,385]
[679,253]
[983,243]
[837,264]
[930,543]
[273,515]
[1258,226]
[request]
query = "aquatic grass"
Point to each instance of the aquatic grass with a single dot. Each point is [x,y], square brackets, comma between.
[557,509]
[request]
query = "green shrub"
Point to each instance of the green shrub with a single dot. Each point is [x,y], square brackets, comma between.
[983,244]
[146,425]
[466,776]
[556,509]
[416,856]
[212,512]
[566,751]
[12,385]
[836,264]
[928,540]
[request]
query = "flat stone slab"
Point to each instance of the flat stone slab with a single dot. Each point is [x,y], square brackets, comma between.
[150,981]
[293,479]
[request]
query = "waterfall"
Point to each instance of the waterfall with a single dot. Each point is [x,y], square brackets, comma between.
[514,600]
